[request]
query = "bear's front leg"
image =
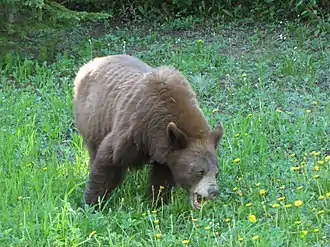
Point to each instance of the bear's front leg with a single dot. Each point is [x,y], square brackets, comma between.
[161,183]
[105,174]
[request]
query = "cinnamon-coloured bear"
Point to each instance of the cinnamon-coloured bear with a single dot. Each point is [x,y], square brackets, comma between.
[130,114]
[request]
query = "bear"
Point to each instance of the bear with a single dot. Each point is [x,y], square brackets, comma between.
[130,114]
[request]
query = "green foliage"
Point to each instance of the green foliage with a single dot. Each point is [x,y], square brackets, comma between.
[270,90]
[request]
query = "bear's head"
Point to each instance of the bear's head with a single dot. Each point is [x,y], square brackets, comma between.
[194,163]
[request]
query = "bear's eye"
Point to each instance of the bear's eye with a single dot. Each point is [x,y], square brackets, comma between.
[200,173]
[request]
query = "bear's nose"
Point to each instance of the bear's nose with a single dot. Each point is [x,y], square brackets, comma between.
[213,192]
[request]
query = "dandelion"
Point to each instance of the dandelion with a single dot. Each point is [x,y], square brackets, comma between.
[193,220]
[328,194]
[158,235]
[303,163]
[161,187]
[252,218]
[45,168]
[315,102]
[250,115]
[227,220]
[240,239]
[239,179]
[185,241]
[313,209]
[300,187]
[292,155]
[257,184]
[295,168]
[316,168]
[281,198]
[316,176]
[316,230]
[156,221]
[243,75]
[304,232]
[207,228]
[298,222]
[249,204]
[316,153]
[320,162]
[262,192]
[235,189]
[92,234]
[308,111]
[19,198]
[154,211]
[255,238]
[320,212]
[282,187]
[237,135]
[321,197]
[327,158]
[288,205]
[237,160]
[298,203]
[276,205]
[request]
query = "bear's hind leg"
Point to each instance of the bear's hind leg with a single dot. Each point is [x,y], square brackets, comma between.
[161,183]
[104,175]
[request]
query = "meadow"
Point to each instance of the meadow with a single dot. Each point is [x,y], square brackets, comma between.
[267,83]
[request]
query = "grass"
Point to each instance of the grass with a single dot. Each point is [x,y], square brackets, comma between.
[268,84]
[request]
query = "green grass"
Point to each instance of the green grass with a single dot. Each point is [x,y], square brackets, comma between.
[270,88]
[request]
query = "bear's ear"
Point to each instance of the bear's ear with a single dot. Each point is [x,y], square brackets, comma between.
[217,134]
[177,137]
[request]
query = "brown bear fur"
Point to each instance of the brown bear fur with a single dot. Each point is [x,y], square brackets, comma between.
[130,114]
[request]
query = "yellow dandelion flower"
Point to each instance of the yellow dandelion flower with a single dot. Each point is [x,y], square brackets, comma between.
[257,184]
[315,102]
[316,176]
[328,194]
[45,168]
[255,238]
[298,222]
[252,218]
[304,232]
[194,220]
[282,187]
[316,168]
[239,179]
[161,187]
[207,228]
[279,110]
[154,211]
[321,197]
[156,221]
[185,241]
[316,230]
[302,163]
[308,111]
[158,235]
[250,115]
[262,192]
[295,168]
[292,155]
[19,198]
[288,205]
[298,203]
[300,187]
[243,75]
[237,135]
[227,220]
[249,204]
[316,153]
[240,239]
[240,193]
[320,212]
[313,209]
[327,158]
[92,234]
[235,189]
[276,205]
[320,162]
[281,198]
[237,160]
[214,110]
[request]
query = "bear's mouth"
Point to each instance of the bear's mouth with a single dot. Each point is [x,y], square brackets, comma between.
[197,200]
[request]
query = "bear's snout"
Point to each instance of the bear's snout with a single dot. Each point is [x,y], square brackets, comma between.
[213,192]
